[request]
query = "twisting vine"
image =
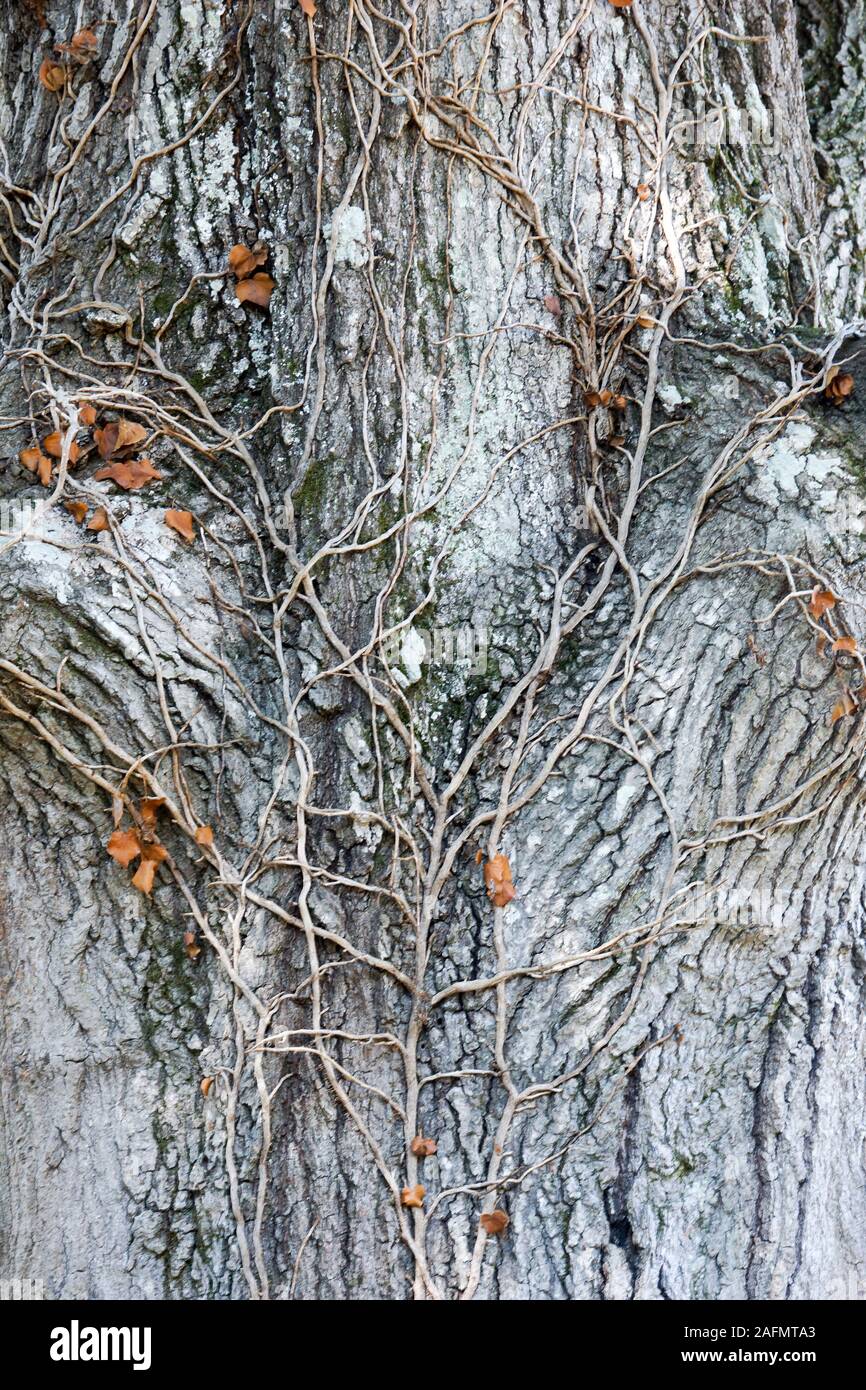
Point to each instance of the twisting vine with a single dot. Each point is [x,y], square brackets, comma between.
[266,580]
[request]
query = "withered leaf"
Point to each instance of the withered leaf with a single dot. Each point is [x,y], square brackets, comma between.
[99,521]
[497,878]
[53,445]
[243,261]
[206,1084]
[204,835]
[845,644]
[821,601]
[182,522]
[309,8]
[423,1148]
[148,809]
[43,470]
[643,191]
[645,320]
[552,305]
[130,476]
[118,435]
[494,1222]
[124,846]
[151,857]
[82,46]
[87,415]
[847,705]
[78,510]
[413,1196]
[29,458]
[190,945]
[52,75]
[256,290]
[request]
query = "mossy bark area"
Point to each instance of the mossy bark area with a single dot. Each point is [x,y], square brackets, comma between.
[399,450]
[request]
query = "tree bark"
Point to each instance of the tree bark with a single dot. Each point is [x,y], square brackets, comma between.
[527,522]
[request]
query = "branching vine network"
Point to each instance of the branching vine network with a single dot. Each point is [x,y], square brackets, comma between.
[615,347]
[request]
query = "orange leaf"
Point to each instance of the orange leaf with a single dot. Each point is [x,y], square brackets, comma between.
[413,1196]
[77,509]
[423,1148]
[256,291]
[117,436]
[30,458]
[148,808]
[43,470]
[130,476]
[845,644]
[99,521]
[87,415]
[124,846]
[53,445]
[497,878]
[243,261]
[309,8]
[204,836]
[151,856]
[82,46]
[645,320]
[621,4]
[847,705]
[206,1083]
[182,522]
[52,75]
[495,1222]
[190,945]
[821,600]
[643,191]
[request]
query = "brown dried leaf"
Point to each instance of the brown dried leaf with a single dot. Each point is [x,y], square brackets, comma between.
[256,291]
[99,521]
[151,856]
[124,846]
[43,470]
[845,644]
[204,835]
[645,320]
[182,522]
[149,808]
[413,1196]
[309,8]
[53,445]
[552,305]
[494,1222]
[423,1148]
[643,191]
[847,705]
[821,601]
[243,261]
[82,46]
[52,75]
[87,415]
[29,458]
[190,945]
[130,476]
[206,1084]
[78,510]
[497,878]
[117,436]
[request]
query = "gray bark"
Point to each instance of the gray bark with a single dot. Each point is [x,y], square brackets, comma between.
[691,1098]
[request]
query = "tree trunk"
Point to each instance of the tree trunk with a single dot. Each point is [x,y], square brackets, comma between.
[524,524]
